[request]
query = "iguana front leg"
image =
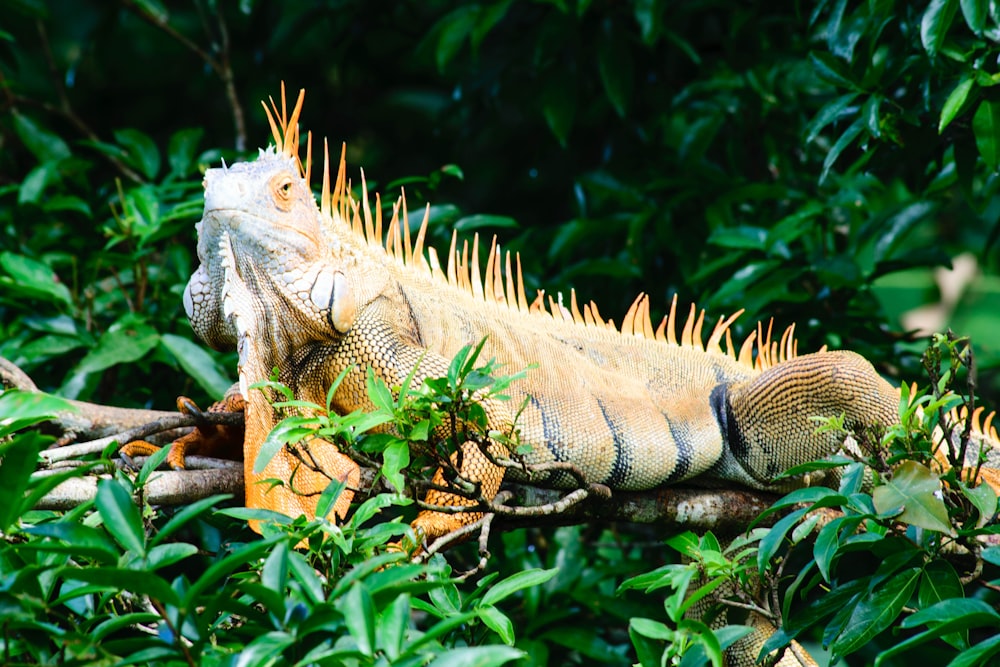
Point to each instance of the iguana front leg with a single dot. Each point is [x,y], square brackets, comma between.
[224,442]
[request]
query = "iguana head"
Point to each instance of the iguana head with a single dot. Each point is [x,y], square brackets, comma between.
[266,268]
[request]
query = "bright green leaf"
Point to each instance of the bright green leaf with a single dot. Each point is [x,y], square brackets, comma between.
[986,128]
[956,99]
[934,24]
[121,516]
[916,489]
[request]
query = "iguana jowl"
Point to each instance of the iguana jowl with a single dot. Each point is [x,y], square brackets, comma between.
[312,290]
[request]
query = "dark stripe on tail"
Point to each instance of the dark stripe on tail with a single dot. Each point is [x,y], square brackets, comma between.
[622,463]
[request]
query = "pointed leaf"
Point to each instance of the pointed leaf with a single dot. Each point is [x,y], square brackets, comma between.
[986,128]
[916,489]
[121,516]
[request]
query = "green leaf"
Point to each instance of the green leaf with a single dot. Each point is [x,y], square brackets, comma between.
[614,63]
[477,656]
[986,128]
[832,69]
[473,222]
[876,611]
[18,458]
[845,140]
[163,555]
[395,458]
[559,106]
[830,113]
[182,149]
[956,99]
[141,151]
[120,344]
[934,24]
[46,146]
[516,582]
[121,516]
[118,579]
[916,489]
[498,622]
[82,540]
[983,498]
[975,13]
[34,279]
[197,363]
[21,409]
[454,29]
[359,616]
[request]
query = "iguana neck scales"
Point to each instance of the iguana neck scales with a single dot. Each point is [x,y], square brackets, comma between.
[313,291]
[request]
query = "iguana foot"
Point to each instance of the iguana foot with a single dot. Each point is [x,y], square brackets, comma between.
[224,442]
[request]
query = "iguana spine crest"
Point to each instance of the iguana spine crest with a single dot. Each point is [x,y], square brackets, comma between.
[501,283]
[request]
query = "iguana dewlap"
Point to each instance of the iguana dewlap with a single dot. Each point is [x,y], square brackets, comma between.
[313,290]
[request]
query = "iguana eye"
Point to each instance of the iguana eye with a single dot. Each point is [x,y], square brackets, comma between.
[281,191]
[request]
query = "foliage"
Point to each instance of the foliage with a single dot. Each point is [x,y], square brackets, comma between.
[899,564]
[812,164]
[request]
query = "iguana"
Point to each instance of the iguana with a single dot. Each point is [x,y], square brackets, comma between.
[314,291]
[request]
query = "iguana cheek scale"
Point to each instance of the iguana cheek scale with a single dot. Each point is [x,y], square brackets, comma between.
[314,291]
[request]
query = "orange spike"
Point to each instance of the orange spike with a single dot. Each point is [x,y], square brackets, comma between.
[453,259]
[598,320]
[325,202]
[473,265]
[647,322]
[746,350]
[396,235]
[672,322]
[522,300]
[538,305]
[660,336]
[628,322]
[687,333]
[574,309]
[488,292]
[274,128]
[696,339]
[339,201]
[510,287]
[720,329]
[407,248]
[418,246]
[498,293]
[367,209]
[309,159]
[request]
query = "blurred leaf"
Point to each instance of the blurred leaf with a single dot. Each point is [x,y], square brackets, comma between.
[559,106]
[141,151]
[18,458]
[182,150]
[33,279]
[197,363]
[956,99]
[474,222]
[975,13]
[614,62]
[45,145]
[935,23]
[477,656]
[453,31]
[515,583]
[986,126]
[120,344]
